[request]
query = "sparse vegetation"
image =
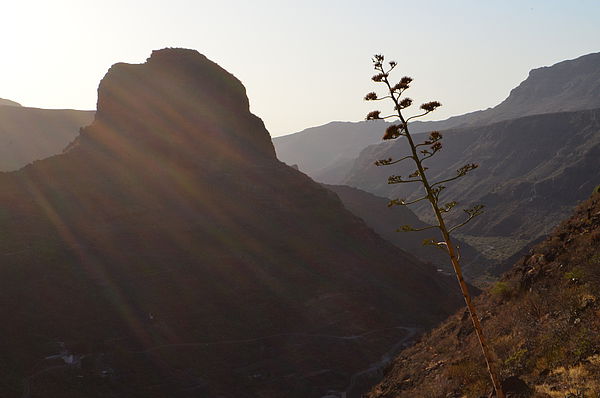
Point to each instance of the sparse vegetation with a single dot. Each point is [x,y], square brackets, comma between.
[501,289]
[546,332]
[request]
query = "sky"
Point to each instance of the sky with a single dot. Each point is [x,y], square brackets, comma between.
[304,63]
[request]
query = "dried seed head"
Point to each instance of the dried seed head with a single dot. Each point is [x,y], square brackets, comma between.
[371,96]
[405,103]
[392,132]
[430,106]
[373,115]
[379,77]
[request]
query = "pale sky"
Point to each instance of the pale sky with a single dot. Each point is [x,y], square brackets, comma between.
[304,63]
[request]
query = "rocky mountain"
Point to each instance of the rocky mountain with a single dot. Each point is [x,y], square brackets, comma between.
[386,220]
[532,172]
[167,252]
[566,86]
[29,134]
[541,320]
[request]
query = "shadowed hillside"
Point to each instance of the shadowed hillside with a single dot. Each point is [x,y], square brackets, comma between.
[168,252]
[386,220]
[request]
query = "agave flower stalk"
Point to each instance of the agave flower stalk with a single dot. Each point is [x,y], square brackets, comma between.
[433,190]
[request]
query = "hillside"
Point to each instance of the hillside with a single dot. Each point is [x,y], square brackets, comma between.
[386,220]
[542,320]
[320,147]
[532,172]
[5,102]
[566,86]
[29,134]
[168,252]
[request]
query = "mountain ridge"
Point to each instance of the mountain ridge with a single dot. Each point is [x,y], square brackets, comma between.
[565,86]
[525,165]
[6,102]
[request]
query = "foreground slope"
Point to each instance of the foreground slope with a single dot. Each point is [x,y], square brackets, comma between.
[542,319]
[168,252]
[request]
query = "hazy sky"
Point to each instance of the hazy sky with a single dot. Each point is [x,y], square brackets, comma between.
[304,63]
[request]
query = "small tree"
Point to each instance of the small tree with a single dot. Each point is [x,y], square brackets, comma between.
[420,152]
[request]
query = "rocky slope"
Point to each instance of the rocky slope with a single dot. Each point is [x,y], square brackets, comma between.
[566,86]
[168,252]
[29,134]
[532,171]
[542,320]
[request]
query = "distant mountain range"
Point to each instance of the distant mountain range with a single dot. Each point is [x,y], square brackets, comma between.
[29,134]
[537,152]
[5,102]
[325,152]
[329,149]
[532,171]
[167,252]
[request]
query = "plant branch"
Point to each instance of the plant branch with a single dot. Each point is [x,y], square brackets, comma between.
[403,202]
[408,228]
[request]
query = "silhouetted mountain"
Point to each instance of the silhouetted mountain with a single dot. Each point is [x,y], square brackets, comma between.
[541,320]
[29,134]
[5,102]
[168,252]
[566,86]
[386,221]
[532,171]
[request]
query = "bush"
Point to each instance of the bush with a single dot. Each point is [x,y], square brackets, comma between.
[502,290]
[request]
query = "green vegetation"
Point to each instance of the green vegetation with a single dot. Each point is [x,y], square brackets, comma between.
[420,152]
[575,275]
[501,289]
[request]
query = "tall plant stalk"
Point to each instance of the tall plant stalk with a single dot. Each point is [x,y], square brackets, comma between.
[419,153]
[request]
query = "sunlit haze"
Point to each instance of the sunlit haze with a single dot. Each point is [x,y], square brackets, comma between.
[303,63]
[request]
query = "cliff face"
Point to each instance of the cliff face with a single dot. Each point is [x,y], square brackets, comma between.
[541,319]
[168,252]
[160,106]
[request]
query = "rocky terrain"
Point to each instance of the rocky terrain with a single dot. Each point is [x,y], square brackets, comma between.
[167,252]
[532,171]
[541,318]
